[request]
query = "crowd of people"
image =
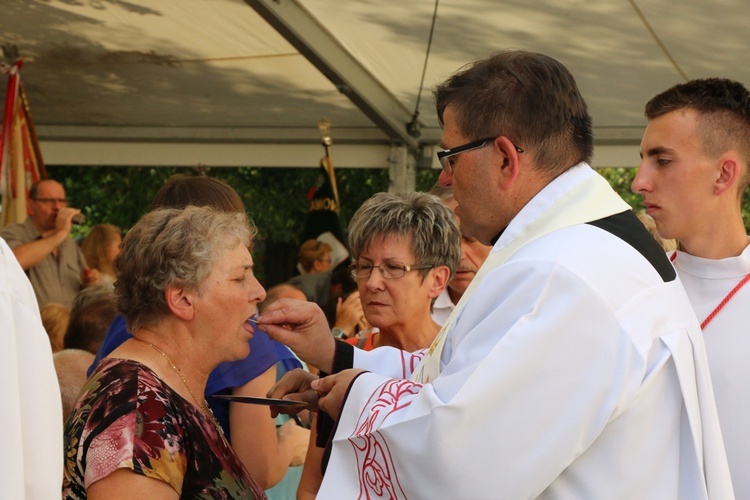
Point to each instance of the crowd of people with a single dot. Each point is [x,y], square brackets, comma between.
[518,332]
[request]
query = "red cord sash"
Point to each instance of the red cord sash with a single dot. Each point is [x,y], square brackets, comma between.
[724,301]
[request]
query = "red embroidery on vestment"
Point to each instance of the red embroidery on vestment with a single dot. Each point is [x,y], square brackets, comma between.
[377,474]
[409,361]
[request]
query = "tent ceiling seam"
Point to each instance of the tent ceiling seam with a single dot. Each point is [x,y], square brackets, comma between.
[657,39]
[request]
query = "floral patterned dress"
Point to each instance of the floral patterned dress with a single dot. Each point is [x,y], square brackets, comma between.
[126,417]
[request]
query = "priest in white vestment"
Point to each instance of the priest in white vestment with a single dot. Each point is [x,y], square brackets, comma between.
[572,367]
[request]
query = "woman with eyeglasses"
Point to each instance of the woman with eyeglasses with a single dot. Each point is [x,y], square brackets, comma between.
[405,247]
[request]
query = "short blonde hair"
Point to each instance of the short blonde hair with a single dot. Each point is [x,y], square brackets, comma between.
[55,318]
[311,251]
[94,247]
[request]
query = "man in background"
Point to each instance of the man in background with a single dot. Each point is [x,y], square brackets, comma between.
[43,247]
[473,255]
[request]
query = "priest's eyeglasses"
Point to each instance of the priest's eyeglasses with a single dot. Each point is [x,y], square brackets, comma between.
[387,271]
[445,155]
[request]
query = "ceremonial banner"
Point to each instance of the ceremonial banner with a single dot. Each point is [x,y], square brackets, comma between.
[20,157]
[322,221]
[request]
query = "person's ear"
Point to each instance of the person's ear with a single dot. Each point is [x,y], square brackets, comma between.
[180,302]
[510,166]
[728,175]
[440,276]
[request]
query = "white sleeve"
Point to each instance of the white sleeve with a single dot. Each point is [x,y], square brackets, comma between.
[388,361]
[31,464]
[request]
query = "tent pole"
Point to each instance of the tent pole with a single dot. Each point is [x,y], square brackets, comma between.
[402,170]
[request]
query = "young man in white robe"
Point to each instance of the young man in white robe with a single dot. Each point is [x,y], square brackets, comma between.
[694,172]
[572,367]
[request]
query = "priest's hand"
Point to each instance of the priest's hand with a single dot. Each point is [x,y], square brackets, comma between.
[332,391]
[303,327]
[294,385]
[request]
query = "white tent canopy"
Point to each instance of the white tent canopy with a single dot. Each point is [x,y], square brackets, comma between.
[233,83]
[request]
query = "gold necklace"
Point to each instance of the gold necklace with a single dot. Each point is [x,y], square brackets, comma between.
[206,409]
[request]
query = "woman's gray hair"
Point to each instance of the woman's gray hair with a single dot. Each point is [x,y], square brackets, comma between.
[173,247]
[431,226]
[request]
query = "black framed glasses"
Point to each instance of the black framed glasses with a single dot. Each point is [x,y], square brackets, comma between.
[50,201]
[387,271]
[444,155]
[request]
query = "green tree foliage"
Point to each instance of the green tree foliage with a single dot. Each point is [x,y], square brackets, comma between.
[620,179]
[275,198]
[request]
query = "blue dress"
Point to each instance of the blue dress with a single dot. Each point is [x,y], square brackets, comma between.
[264,353]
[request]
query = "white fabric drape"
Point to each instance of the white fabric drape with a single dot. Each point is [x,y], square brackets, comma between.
[31,441]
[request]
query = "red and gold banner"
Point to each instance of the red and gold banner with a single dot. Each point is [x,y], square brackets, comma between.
[20,157]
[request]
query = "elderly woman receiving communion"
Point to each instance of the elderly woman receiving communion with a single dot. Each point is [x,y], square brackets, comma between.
[141,428]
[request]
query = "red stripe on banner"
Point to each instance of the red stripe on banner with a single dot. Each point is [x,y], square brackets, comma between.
[21,163]
[11,97]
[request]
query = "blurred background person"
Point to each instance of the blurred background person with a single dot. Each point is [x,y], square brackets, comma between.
[142,427]
[100,248]
[70,366]
[315,257]
[93,311]
[406,248]
[88,324]
[314,266]
[42,245]
[668,244]
[55,318]
[252,432]
[338,297]
[282,291]
[104,290]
